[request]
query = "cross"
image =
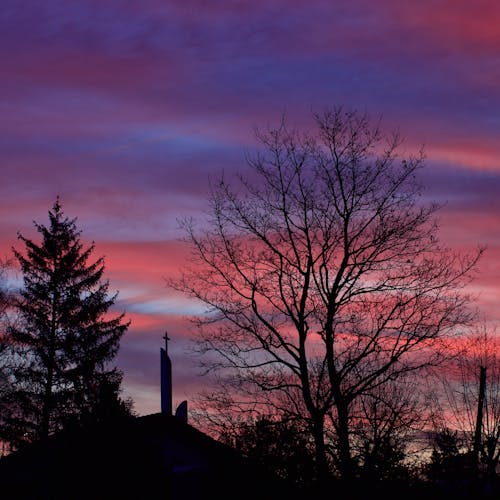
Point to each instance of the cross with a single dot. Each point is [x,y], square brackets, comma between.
[167,338]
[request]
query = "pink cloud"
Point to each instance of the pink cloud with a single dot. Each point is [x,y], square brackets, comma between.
[126,109]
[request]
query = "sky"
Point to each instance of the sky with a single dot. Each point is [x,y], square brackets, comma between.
[125,109]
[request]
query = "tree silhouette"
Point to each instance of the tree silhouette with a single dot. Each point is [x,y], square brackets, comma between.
[64,336]
[5,351]
[323,276]
[386,422]
[449,462]
[472,399]
[283,447]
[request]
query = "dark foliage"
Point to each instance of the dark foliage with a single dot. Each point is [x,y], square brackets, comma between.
[283,447]
[452,469]
[5,358]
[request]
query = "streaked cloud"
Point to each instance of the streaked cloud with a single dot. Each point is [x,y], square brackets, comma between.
[127,109]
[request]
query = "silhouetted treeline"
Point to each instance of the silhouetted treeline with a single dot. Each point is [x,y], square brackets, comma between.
[286,450]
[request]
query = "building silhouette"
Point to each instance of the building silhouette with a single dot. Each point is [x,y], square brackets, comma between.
[153,456]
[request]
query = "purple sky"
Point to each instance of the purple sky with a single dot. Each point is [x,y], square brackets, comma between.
[124,109]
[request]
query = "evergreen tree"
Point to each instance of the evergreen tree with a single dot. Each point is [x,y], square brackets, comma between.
[65,336]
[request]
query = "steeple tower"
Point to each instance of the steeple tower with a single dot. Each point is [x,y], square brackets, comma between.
[166,386]
[166,379]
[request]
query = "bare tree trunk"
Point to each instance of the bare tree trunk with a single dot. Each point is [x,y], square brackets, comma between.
[344,447]
[318,432]
[479,417]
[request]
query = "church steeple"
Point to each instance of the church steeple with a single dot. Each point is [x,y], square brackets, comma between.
[166,386]
[166,379]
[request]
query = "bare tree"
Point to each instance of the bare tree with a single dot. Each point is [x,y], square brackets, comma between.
[323,275]
[388,424]
[472,403]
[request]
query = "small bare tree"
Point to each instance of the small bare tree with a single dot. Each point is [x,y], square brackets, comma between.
[472,390]
[388,423]
[323,275]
